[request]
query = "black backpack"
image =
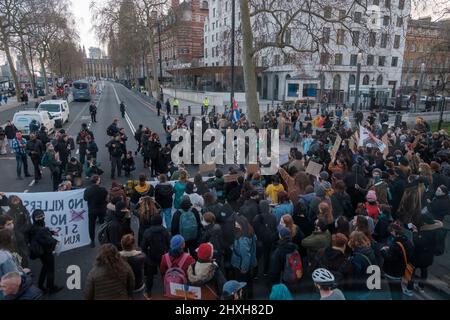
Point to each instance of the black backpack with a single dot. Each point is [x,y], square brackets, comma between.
[157,246]
[110,131]
[103,236]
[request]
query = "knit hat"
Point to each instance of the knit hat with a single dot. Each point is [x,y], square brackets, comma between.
[205,251]
[284,232]
[324,175]
[371,195]
[176,242]
[319,190]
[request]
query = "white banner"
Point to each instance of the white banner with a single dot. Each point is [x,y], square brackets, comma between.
[65,212]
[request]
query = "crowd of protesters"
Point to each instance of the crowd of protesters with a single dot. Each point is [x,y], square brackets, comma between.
[293,232]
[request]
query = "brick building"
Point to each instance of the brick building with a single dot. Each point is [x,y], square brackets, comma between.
[181,36]
[427,43]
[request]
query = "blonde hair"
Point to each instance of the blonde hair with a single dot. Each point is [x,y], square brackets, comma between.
[325,213]
[358,240]
[183,175]
[290,225]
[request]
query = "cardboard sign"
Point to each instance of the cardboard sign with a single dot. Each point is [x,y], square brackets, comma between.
[336,146]
[185,291]
[205,168]
[314,168]
[386,142]
[252,168]
[231,177]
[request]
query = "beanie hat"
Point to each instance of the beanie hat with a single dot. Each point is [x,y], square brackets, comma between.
[324,175]
[319,190]
[371,195]
[176,242]
[205,251]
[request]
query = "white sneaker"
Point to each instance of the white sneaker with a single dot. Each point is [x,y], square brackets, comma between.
[418,288]
[407,292]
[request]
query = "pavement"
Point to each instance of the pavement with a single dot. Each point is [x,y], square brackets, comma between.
[140,110]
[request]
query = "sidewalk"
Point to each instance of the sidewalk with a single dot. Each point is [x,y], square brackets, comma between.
[12,102]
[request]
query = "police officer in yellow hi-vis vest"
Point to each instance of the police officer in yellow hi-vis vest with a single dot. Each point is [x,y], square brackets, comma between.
[176,106]
[205,106]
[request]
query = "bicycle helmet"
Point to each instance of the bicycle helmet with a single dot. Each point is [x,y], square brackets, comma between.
[322,276]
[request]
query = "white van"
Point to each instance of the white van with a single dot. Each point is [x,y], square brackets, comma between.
[58,110]
[22,120]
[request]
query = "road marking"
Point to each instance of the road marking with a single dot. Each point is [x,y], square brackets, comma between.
[7,158]
[78,151]
[26,191]
[127,118]
[32,183]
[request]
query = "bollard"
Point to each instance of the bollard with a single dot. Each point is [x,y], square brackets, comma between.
[189,110]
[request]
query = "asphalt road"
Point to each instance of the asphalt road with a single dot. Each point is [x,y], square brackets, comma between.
[138,112]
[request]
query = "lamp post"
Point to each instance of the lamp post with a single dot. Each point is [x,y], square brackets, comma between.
[233,27]
[419,93]
[322,83]
[358,80]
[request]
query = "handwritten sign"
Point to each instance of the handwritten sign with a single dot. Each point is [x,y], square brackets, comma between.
[232,177]
[314,168]
[336,146]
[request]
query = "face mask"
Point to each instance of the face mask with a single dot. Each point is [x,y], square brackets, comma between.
[9,226]
[439,193]
[204,223]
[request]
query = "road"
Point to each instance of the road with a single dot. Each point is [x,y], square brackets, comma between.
[138,112]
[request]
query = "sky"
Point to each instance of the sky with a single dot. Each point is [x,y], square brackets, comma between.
[80,9]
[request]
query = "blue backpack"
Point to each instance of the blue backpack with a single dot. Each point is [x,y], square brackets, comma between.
[188,225]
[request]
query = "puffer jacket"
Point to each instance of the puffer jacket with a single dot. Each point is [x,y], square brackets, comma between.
[394,262]
[102,285]
[208,277]
[425,245]
[136,260]
[163,195]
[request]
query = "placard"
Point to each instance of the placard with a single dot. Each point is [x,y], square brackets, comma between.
[206,168]
[314,168]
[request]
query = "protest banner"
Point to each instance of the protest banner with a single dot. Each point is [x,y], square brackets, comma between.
[184,291]
[314,168]
[336,146]
[231,177]
[368,139]
[65,212]
[206,168]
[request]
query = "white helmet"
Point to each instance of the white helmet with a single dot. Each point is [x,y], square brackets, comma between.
[323,276]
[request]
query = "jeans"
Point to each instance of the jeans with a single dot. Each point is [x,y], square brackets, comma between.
[10,142]
[167,216]
[47,271]
[82,156]
[295,136]
[21,160]
[37,169]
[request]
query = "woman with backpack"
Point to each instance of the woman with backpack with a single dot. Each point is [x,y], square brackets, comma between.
[173,261]
[136,260]
[42,245]
[179,188]
[155,243]
[145,210]
[265,226]
[213,234]
[111,277]
[187,223]
[206,274]
[243,257]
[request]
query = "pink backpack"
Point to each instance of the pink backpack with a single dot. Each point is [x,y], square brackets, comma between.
[174,274]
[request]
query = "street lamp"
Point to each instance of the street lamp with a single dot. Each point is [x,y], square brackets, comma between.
[422,70]
[358,79]
[233,27]
[322,83]
[158,24]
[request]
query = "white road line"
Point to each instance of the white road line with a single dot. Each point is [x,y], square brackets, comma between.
[26,191]
[78,151]
[7,158]
[127,118]
[32,183]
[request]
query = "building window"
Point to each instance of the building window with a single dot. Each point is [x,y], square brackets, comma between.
[324,58]
[326,35]
[397,42]
[206,40]
[277,59]
[337,82]
[342,14]
[340,37]
[353,59]
[214,12]
[206,53]
[376,2]
[384,40]
[226,6]
[212,52]
[370,59]
[264,61]
[380,80]
[217,51]
[212,37]
[213,25]
[394,61]
[372,39]
[401,4]
[386,20]
[355,38]
[225,21]
[357,17]
[387,3]
[381,61]
[287,36]
[399,22]
[366,80]
[338,59]
[327,12]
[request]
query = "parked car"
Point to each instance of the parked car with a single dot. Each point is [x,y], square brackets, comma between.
[58,109]
[22,120]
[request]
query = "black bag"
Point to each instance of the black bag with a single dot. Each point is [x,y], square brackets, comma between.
[110,131]
[103,236]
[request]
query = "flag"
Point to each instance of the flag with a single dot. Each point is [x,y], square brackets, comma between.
[368,139]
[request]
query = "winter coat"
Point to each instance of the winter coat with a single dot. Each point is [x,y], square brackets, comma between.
[142,191]
[213,234]
[136,261]
[439,207]
[244,253]
[152,253]
[207,276]
[35,149]
[96,198]
[394,263]
[410,206]
[44,237]
[282,209]
[102,285]
[10,131]
[278,259]
[27,291]
[265,225]
[336,262]
[115,148]
[341,204]
[249,209]
[77,168]
[425,245]
[22,226]
[361,259]
[316,241]
[176,221]
[381,190]
[163,195]
[178,190]
[397,188]
[116,229]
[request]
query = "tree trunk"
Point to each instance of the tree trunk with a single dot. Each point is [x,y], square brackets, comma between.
[151,37]
[23,52]
[251,96]
[44,71]
[11,64]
